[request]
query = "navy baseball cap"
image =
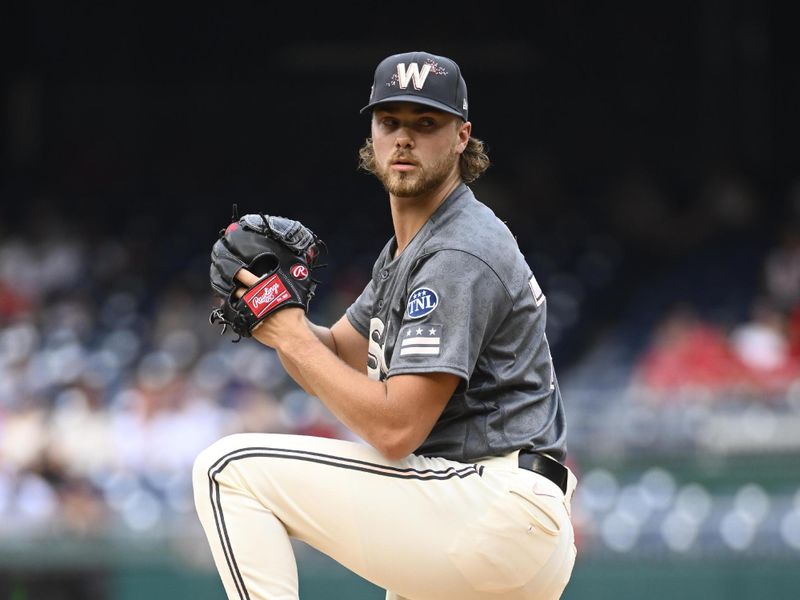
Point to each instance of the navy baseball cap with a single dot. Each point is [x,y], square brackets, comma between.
[422,78]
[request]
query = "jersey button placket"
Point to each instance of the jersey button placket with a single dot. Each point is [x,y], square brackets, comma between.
[384,277]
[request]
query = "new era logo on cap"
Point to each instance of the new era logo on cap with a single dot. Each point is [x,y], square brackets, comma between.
[422,78]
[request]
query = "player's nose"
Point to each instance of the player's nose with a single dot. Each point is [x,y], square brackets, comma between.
[403,140]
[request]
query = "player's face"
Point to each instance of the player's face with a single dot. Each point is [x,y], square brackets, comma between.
[416,147]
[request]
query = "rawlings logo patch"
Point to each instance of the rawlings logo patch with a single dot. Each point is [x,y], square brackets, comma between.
[421,302]
[266,295]
[299,271]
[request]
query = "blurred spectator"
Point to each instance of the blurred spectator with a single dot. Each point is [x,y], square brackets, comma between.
[12,304]
[23,436]
[79,425]
[762,344]
[687,353]
[782,269]
[83,509]
[793,333]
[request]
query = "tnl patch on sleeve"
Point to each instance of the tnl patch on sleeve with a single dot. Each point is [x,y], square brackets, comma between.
[420,340]
[421,302]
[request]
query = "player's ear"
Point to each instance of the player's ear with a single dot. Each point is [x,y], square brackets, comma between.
[464,133]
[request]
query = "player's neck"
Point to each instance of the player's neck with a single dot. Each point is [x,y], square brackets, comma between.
[409,214]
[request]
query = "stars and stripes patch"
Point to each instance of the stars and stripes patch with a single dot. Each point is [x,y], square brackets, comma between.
[421,340]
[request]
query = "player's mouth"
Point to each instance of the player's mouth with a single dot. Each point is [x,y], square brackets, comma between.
[403,164]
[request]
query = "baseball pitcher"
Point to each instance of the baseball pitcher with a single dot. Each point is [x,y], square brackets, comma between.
[441,366]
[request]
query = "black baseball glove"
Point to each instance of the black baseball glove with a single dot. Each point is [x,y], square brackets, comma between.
[281,252]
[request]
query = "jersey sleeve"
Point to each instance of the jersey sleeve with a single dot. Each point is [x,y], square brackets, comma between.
[360,312]
[454,304]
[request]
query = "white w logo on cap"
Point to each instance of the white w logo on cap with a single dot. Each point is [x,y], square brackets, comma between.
[412,73]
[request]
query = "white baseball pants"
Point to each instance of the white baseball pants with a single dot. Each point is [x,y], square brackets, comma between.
[422,528]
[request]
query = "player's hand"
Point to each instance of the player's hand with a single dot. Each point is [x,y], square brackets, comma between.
[281,326]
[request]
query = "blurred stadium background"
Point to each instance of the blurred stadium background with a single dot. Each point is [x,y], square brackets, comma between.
[645,156]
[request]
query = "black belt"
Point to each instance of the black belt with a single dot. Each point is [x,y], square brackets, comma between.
[546,466]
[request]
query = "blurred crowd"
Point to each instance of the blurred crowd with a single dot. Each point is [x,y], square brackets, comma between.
[757,356]
[109,389]
[112,380]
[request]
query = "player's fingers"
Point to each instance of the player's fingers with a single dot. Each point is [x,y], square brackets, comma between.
[246,277]
[240,292]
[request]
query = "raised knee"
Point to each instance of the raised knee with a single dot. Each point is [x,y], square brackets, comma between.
[214,456]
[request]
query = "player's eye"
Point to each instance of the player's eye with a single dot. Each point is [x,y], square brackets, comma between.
[388,122]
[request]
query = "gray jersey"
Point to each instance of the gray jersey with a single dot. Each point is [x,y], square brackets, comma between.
[462,299]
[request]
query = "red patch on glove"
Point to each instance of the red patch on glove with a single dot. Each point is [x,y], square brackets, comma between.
[266,295]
